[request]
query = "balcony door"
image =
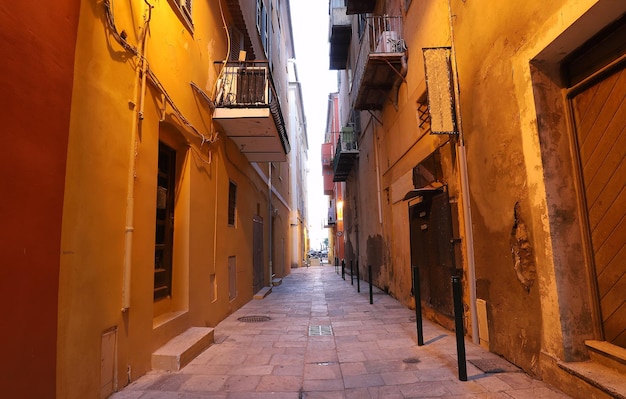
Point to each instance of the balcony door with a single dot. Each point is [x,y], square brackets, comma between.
[164,237]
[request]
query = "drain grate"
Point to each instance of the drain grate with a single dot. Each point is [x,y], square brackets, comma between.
[254,319]
[320,331]
[411,360]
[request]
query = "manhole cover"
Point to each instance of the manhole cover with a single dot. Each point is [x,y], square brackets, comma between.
[254,319]
[411,360]
[493,365]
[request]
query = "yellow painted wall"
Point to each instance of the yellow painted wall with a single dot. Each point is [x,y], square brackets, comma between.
[106,144]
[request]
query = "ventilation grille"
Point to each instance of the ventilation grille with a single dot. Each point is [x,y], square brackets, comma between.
[316,331]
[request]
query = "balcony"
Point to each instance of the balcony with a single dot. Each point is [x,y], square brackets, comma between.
[248,111]
[346,153]
[340,33]
[360,6]
[327,168]
[381,62]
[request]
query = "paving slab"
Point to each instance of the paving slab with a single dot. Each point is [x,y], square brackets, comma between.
[319,338]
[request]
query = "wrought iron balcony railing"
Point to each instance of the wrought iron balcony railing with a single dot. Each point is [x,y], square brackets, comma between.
[249,110]
[380,63]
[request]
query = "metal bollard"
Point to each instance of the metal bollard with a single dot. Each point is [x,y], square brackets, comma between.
[358,279]
[369,271]
[351,274]
[458,326]
[418,306]
[336,265]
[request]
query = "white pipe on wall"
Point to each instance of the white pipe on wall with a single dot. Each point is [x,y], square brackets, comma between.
[129,229]
[469,241]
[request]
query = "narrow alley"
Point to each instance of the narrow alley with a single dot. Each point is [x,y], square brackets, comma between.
[315,336]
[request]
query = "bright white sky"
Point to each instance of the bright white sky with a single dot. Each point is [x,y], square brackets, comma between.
[310,31]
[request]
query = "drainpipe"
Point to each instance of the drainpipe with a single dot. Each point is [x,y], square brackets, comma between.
[469,240]
[375,141]
[401,75]
[467,212]
[132,158]
[269,189]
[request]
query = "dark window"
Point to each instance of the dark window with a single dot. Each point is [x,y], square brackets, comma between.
[164,237]
[232,203]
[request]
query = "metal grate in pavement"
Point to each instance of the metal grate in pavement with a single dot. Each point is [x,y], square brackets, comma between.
[316,331]
[254,319]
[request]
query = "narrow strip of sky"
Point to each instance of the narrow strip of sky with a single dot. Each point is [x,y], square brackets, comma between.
[310,30]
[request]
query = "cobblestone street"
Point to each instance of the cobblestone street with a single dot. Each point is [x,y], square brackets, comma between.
[325,340]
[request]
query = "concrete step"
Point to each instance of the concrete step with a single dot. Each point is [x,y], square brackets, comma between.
[276,281]
[180,350]
[263,292]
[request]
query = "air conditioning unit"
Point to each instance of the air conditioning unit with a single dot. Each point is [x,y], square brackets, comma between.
[387,42]
[245,86]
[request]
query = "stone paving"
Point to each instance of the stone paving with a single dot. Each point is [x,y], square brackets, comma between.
[372,352]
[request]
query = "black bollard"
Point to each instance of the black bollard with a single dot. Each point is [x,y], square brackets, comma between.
[358,278]
[351,274]
[336,265]
[418,306]
[369,271]
[458,326]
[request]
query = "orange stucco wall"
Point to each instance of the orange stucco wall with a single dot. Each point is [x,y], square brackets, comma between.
[37,44]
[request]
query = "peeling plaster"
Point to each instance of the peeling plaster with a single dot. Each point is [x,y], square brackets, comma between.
[522,251]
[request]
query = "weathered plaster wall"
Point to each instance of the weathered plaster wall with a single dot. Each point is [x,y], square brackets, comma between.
[37,42]
[529,312]
[486,41]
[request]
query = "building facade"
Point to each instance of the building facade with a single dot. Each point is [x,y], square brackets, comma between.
[298,158]
[489,148]
[153,186]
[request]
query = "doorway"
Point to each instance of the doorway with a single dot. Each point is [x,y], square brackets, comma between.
[432,249]
[258,279]
[599,116]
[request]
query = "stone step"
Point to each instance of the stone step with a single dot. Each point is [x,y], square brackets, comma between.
[276,281]
[263,292]
[599,377]
[180,350]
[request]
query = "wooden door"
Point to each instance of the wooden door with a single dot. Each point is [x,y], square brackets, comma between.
[432,251]
[599,113]
[257,255]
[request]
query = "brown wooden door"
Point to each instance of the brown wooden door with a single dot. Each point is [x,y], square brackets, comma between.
[599,114]
[432,251]
[257,255]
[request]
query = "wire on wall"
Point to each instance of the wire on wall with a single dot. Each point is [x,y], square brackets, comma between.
[121,39]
